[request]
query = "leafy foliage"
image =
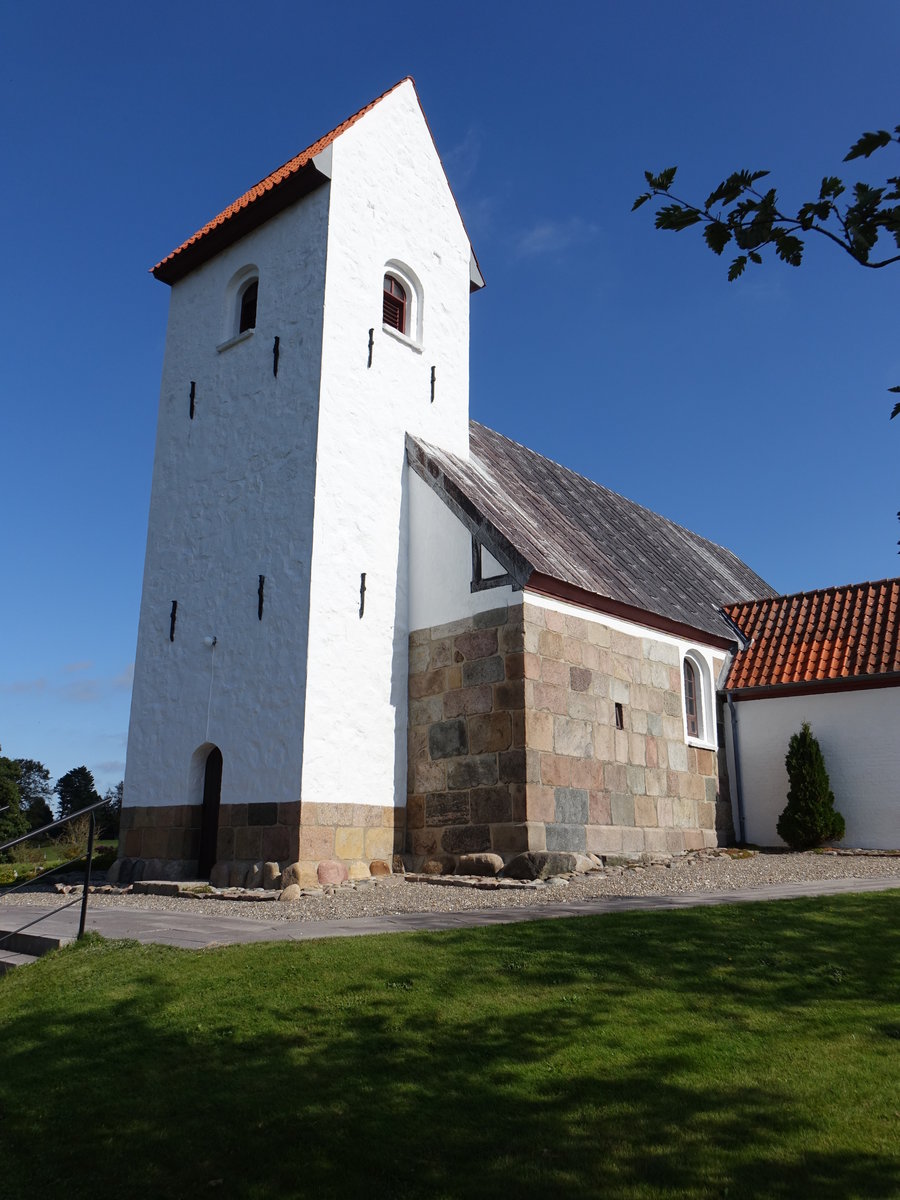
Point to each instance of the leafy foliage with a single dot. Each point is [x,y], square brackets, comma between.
[809,817]
[75,790]
[737,210]
[12,821]
[108,816]
[35,791]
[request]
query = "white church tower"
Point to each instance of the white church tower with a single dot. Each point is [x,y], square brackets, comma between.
[313,324]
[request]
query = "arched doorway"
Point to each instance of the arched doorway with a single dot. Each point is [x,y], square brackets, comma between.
[209,815]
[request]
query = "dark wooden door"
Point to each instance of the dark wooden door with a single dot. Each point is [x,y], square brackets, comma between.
[209,817]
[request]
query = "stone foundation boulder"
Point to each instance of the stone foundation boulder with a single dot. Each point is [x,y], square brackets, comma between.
[486,865]
[292,892]
[539,864]
[379,867]
[302,873]
[331,872]
[218,876]
[584,863]
[271,879]
[438,866]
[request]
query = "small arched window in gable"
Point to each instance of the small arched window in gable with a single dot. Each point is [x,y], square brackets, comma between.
[247,311]
[395,304]
[692,699]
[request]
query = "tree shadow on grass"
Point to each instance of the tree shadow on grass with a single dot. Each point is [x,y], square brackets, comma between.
[443,1065]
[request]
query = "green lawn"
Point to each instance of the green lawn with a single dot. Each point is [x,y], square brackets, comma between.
[746,1051]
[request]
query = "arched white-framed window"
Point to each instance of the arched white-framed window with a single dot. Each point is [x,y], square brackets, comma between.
[241,300]
[401,303]
[246,313]
[696,686]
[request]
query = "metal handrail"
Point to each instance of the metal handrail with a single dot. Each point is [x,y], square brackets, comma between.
[89,854]
[51,825]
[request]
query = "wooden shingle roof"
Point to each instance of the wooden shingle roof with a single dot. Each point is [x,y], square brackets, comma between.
[849,633]
[558,531]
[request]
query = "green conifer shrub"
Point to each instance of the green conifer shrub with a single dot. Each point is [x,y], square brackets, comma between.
[809,818]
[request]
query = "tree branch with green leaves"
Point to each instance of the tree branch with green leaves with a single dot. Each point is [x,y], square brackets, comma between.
[741,213]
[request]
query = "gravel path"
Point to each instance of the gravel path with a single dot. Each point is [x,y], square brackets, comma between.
[703,872]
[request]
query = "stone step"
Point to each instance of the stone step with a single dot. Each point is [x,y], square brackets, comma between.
[30,941]
[9,960]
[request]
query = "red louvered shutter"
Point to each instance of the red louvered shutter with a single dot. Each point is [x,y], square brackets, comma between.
[394,313]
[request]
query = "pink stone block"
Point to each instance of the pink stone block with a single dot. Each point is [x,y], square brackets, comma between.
[330,872]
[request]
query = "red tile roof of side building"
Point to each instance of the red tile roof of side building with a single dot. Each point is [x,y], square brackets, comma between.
[260,202]
[849,633]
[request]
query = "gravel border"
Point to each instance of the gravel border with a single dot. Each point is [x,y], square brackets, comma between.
[704,871]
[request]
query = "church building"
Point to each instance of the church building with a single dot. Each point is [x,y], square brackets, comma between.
[370,626]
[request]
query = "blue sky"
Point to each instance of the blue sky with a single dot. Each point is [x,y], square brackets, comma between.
[755,412]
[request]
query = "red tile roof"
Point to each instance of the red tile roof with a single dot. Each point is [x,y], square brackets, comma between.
[839,633]
[174,265]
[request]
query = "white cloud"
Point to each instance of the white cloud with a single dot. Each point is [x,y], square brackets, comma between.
[123,681]
[461,160]
[76,691]
[552,237]
[21,687]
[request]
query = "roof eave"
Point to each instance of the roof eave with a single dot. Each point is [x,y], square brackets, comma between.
[496,543]
[558,589]
[809,687]
[302,182]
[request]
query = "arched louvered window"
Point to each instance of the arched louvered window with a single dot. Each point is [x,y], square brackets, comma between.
[395,304]
[691,699]
[247,316]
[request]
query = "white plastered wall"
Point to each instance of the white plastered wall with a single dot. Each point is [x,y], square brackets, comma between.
[390,202]
[232,499]
[440,558]
[857,732]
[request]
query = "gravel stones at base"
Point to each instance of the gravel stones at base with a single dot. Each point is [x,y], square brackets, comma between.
[704,871]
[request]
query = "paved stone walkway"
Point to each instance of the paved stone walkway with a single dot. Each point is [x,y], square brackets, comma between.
[195,932]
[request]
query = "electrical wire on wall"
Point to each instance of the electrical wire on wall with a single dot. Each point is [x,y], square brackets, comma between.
[212,643]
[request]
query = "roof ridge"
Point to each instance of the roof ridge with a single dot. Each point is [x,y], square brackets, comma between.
[609,491]
[289,167]
[811,592]
[330,135]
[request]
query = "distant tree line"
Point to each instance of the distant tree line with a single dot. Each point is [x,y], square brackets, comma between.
[26,798]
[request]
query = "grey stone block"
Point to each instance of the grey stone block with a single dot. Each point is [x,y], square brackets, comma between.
[466,839]
[482,670]
[447,739]
[571,806]
[566,837]
[446,808]
[491,805]
[622,810]
[637,783]
[472,772]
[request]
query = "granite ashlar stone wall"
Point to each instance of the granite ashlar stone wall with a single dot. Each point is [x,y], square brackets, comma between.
[513,742]
[596,788]
[266,832]
[286,833]
[354,834]
[466,786]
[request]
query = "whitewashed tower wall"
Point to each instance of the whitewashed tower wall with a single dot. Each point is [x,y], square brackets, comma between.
[300,478]
[390,203]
